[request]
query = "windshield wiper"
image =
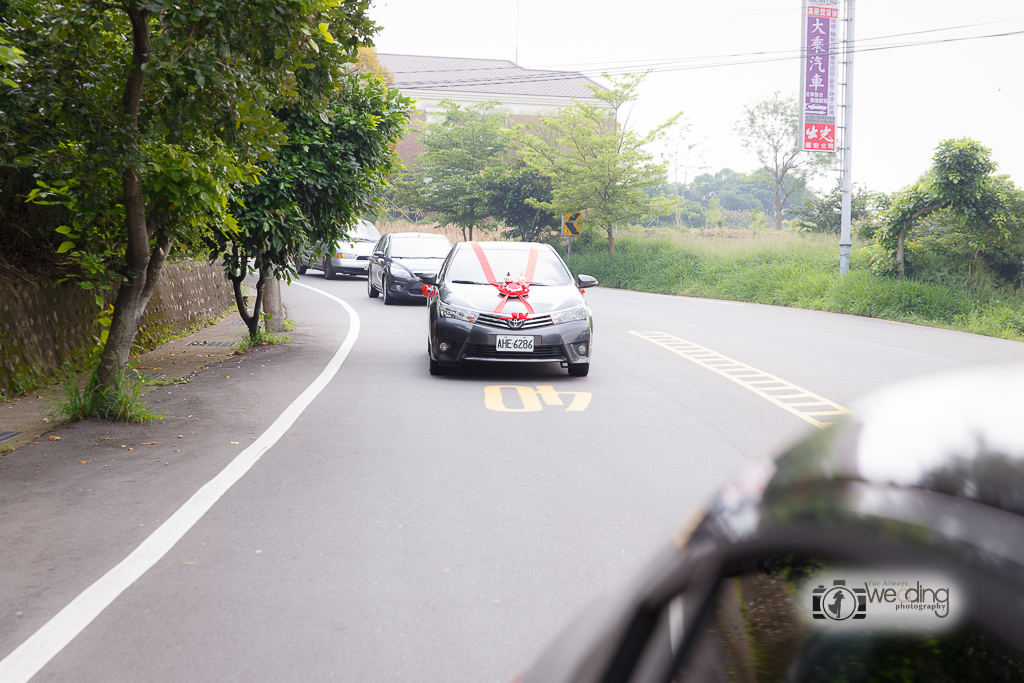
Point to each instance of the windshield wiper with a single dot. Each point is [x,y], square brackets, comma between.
[467,282]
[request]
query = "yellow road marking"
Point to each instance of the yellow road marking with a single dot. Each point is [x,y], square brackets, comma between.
[764,384]
[493,400]
[531,398]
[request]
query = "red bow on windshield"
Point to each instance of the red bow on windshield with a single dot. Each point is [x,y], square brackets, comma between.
[519,290]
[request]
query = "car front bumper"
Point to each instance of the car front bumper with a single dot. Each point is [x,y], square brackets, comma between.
[563,343]
[406,289]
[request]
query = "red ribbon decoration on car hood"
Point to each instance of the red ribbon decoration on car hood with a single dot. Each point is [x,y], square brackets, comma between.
[509,289]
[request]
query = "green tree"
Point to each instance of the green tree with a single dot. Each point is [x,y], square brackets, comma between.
[159,110]
[333,169]
[510,189]
[597,165]
[713,219]
[960,180]
[769,130]
[10,57]
[683,157]
[736,191]
[690,214]
[758,221]
[824,215]
[450,177]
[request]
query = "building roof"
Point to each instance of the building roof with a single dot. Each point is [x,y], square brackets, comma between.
[497,76]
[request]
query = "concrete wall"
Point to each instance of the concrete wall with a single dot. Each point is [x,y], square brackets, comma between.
[44,325]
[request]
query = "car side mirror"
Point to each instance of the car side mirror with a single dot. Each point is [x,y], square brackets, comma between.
[378,254]
[429,278]
[584,281]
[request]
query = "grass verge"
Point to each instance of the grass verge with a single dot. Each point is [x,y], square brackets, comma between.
[262,339]
[802,272]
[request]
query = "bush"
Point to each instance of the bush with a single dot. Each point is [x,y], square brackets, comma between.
[803,272]
[122,403]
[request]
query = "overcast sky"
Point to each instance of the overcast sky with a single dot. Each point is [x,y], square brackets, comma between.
[906,99]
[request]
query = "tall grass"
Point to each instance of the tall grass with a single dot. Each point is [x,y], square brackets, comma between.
[124,402]
[803,272]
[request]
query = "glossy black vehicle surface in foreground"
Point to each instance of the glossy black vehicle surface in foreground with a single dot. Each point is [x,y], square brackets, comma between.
[889,547]
[471,319]
[398,261]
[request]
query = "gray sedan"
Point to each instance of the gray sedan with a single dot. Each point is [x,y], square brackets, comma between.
[399,259]
[508,302]
[349,256]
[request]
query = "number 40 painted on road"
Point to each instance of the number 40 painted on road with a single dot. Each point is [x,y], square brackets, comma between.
[531,398]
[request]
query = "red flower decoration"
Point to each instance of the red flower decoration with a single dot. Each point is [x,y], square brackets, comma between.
[513,288]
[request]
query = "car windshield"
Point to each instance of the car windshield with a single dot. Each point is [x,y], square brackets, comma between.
[466,267]
[420,247]
[364,231]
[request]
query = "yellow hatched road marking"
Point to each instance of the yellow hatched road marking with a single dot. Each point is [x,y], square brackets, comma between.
[751,379]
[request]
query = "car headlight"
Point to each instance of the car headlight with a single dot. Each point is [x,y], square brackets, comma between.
[400,271]
[448,311]
[345,255]
[568,316]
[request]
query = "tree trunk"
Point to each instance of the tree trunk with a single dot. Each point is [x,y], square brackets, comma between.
[143,267]
[778,210]
[252,321]
[899,248]
[611,242]
[272,303]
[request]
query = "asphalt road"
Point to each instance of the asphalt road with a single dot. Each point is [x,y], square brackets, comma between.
[409,527]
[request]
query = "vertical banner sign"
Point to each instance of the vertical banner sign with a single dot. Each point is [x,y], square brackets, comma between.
[818,77]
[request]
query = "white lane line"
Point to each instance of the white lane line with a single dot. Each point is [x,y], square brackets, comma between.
[43,645]
[729,368]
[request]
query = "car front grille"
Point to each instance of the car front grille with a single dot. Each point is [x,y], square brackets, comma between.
[499,320]
[362,258]
[487,351]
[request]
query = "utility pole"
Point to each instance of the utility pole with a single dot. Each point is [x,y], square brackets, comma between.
[847,150]
[517,33]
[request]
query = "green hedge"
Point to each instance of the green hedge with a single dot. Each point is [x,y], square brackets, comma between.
[803,273]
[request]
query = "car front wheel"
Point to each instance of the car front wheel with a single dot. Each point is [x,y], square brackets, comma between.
[389,300]
[436,368]
[371,291]
[328,269]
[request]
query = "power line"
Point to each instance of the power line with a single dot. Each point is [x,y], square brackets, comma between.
[640,63]
[684,64]
[856,50]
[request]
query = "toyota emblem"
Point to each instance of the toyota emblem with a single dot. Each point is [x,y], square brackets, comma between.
[515,323]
